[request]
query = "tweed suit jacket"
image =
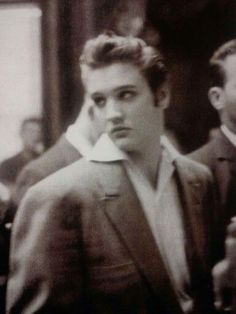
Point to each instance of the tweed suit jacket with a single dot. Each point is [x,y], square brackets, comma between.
[82,244]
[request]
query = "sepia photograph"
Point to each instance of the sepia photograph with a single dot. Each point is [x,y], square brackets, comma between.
[118,159]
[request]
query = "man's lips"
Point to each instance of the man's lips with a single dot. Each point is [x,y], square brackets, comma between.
[120,130]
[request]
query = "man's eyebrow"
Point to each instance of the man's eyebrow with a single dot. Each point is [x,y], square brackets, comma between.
[96,94]
[116,89]
[130,86]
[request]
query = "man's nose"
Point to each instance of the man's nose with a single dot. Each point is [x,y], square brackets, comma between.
[114,112]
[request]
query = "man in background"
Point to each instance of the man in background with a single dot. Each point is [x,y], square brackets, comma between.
[95,236]
[220,153]
[31,135]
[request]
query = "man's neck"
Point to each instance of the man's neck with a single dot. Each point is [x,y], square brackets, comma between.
[231,136]
[148,161]
[231,127]
[84,126]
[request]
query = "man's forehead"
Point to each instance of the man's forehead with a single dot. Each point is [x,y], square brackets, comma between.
[229,64]
[114,76]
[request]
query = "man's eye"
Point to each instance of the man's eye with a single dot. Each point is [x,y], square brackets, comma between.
[126,95]
[99,101]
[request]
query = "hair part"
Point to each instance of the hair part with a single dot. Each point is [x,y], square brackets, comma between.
[216,63]
[109,48]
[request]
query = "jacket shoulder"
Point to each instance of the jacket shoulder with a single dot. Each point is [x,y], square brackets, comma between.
[58,156]
[205,154]
[79,176]
[219,148]
[194,169]
[49,220]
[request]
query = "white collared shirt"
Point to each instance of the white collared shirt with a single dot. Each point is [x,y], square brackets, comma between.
[161,205]
[77,140]
[229,134]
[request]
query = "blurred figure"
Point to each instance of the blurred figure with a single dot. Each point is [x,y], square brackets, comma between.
[127,18]
[4,200]
[31,134]
[220,153]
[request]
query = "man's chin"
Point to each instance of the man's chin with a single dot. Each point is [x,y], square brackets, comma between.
[124,144]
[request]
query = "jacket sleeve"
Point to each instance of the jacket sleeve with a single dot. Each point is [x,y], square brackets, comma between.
[25,180]
[45,258]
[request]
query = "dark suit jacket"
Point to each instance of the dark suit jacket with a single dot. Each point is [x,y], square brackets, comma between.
[220,156]
[81,244]
[58,156]
[10,168]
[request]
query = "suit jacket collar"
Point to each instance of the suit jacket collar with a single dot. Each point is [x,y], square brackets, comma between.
[74,136]
[231,136]
[224,163]
[66,151]
[224,149]
[126,214]
[105,150]
[191,192]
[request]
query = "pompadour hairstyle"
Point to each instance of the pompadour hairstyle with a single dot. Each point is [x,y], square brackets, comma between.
[109,48]
[216,62]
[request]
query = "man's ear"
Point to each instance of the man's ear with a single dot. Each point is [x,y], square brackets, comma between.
[216,97]
[162,96]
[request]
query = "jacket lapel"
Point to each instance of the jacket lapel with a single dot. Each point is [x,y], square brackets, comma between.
[225,154]
[192,193]
[126,214]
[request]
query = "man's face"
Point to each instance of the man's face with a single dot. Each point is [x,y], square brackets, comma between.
[229,92]
[122,95]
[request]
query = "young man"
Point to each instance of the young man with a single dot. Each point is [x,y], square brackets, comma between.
[220,153]
[126,230]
